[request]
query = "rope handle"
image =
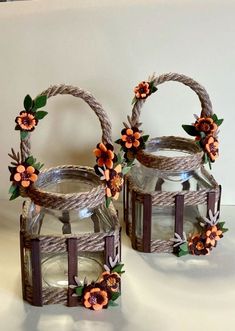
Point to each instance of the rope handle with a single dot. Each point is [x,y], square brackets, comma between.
[195,86]
[25,146]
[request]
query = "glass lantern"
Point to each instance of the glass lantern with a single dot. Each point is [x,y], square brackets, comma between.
[59,244]
[158,204]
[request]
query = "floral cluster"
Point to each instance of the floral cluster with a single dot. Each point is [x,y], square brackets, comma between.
[28,118]
[102,293]
[23,174]
[143,90]
[109,168]
[201,243]
[205,131]
[131,142]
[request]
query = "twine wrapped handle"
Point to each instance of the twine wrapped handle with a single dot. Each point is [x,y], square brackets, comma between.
[105,123]
[69,201]
[195,155]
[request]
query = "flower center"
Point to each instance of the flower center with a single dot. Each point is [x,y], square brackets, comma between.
[213,149]
[111,281]
[205,127]
[199,246]
[130,138]
[26,121]
[93,300]
[104,156]
[116,182]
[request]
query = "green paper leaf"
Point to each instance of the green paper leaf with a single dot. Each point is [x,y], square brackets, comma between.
[30,160]
[190,129]
[115,295]
[184,247]
[28,102]
[23,135]
[214,117]
[40,114]
[125,170]
[134,100]
[108,201]
[112,304]
[224,230]
[15,194]
[130,163]
[12,188]
[40,101]
[152,88]
[38,166]
[119,158]
[118,141]
[221,224]
[219,121]
[79,290]
[145,138]
[118,268]
[182,253]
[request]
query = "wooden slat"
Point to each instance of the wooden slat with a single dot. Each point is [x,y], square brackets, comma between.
[179,216]
[22,263]
[219,201]
[36,273]
[133,231]
[127,207]
[147,223]
[109,249]
[72,270]
[211,202]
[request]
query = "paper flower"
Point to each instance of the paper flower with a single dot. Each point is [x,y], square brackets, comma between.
[206,125]
[142,90]
[213,234]
[95,297]
[114,181]
[26,121]
[104,155]
[197,245]
[24,175]
[110,280]
[212,147]
[130,138]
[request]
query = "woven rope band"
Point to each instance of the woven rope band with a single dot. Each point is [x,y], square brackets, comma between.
[70,201]
[61,201]
[192,161]
[172,163]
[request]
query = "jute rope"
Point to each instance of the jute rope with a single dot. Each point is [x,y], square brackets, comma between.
[69,201]
[173,163]
[166,198]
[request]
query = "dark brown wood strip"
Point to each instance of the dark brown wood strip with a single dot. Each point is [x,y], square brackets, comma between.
[211,202]
[109,249]
[72,270]
[22,263]
[36,273]
[133,228]
[147,222]
[179,216]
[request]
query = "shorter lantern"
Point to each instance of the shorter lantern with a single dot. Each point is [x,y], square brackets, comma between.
[171,203]
[69,238]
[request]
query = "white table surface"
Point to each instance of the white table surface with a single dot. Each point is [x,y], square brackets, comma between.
[160,292]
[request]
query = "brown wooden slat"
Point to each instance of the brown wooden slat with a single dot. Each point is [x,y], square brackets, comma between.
[186,185]
[133,231]
[211,202]
[147,222]
[219,201]
[127,206]
[36,273]
[22,263]
[179,217]
[109,249]
[72,270]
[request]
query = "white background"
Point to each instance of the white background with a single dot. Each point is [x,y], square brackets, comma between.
[107,47]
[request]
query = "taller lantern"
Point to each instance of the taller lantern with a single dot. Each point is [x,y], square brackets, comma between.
[171,202]
[67,233]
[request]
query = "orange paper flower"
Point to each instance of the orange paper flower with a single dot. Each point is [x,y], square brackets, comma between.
[212,147]
[110,280]
[130,138]
[26,121]
[197,245]
[24,175]
[95,297]
[142,90]
[206,125]
[114,180]
[213,234]
[104,155]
